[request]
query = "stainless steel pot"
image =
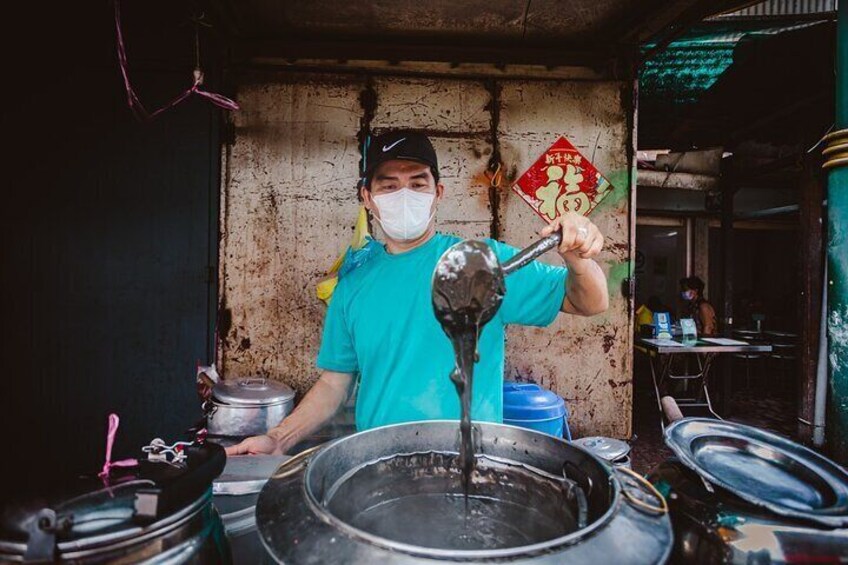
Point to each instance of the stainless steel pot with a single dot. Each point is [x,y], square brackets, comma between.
[158,511]
[534,498]
[101,532]
[246,407]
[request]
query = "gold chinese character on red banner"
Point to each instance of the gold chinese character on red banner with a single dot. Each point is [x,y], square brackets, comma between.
[562,180]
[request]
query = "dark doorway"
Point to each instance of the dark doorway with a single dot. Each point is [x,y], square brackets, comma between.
[660,262]
[109,242]
[765,275]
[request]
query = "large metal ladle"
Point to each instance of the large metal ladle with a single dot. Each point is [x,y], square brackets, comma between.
[468,282]
[468,288]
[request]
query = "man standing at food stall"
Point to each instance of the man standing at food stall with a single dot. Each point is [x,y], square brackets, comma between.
[380,325]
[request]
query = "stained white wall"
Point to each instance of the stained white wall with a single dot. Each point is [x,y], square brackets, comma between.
[289,201]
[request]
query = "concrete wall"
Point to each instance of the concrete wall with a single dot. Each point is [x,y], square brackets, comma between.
[587,361]
[289,200]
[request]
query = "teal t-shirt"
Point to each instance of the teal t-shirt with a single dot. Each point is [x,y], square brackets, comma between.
[380,325]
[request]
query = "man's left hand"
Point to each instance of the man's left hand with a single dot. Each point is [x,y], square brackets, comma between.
[581,239]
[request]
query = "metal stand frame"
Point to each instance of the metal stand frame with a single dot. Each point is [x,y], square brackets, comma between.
[665,376]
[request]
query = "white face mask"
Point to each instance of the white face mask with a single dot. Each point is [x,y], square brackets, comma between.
[405,213]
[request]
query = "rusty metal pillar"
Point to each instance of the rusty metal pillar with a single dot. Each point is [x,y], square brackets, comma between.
[727,193]
[836,163]
[811,261]
[728,186]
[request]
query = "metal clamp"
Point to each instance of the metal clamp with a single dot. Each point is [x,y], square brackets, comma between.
[41,546]
[644,487]
[159,452]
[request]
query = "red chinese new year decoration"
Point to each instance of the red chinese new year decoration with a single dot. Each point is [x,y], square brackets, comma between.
[562,180]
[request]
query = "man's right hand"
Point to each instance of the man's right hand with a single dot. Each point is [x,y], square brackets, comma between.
[256,445]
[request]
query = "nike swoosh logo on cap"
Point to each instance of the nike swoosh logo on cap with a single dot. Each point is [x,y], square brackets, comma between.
[389,147]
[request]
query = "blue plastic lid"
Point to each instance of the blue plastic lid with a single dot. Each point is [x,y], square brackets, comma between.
[529,401]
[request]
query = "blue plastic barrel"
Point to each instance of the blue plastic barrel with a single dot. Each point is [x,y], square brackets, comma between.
[528,405]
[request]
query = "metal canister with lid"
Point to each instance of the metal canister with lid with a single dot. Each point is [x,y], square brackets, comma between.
[155,512]
[247,406]
[527,405]
[614,451]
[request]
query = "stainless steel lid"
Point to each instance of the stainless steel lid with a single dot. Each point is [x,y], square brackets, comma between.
[72,517]
[606,448]
[252,391]
[246,474]
[763,468]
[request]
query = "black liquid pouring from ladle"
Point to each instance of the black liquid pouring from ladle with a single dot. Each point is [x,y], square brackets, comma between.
[468,288]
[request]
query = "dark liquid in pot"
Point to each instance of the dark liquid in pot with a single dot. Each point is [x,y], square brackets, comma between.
[420,500]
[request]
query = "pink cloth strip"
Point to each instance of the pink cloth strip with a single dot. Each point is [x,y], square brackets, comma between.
[134,102]
[114,422]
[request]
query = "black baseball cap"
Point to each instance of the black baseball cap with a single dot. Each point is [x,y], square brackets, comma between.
[400,144]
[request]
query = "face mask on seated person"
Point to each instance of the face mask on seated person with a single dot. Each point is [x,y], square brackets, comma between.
[405,213]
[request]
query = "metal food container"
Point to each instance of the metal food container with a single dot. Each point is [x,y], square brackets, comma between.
[247,407]
[157,513]
[394,495]
[614,451]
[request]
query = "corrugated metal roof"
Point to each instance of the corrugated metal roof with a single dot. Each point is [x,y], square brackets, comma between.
[778,8]
[673,80]
[681,72]
[707,92]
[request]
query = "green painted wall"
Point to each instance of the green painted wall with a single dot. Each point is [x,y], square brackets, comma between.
[837,256]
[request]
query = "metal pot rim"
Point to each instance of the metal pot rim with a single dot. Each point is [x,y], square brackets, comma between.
[523,550]
[254,391]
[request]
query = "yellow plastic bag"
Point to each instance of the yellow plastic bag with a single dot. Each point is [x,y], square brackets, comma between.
[361,236]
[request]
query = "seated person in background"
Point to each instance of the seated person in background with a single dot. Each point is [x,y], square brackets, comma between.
[697,306]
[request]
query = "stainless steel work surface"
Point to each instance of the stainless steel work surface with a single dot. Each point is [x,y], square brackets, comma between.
[246,474]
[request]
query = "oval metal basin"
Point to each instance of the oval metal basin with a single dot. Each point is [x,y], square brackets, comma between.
[763,468]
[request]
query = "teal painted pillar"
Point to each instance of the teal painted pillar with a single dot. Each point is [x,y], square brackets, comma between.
[836,162]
